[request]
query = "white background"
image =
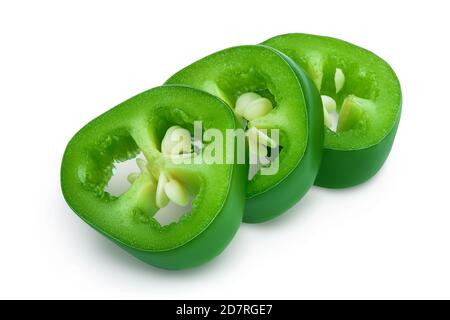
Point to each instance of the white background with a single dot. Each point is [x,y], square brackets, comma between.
[63,63]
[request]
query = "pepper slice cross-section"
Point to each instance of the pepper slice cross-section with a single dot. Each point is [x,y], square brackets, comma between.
[140,125]
[361,92]
[267,91]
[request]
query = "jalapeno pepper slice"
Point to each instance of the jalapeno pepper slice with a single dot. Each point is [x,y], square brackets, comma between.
[269,91]
[361,92]
[139,125]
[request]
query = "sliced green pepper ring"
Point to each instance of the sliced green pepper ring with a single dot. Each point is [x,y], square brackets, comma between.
[286,100]
[363,95]
[137,125]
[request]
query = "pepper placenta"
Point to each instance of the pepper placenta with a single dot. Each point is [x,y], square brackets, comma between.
[267,90]
[362,103]
[147,123]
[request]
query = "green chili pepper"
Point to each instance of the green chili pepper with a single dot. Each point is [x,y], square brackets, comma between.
[268,91]
[138,125]
[361,92]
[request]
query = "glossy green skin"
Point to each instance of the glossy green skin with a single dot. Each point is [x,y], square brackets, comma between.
[126,220]
[342,169]
[290,188]
[349,164]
